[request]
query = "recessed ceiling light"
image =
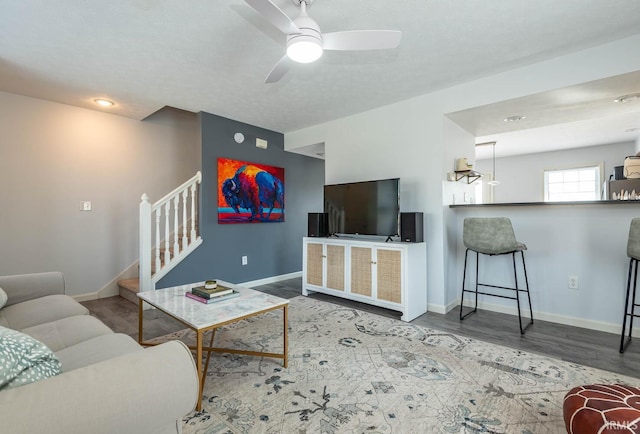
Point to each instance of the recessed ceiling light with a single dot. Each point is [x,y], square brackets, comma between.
[515,118]
[627,98]
[104,102]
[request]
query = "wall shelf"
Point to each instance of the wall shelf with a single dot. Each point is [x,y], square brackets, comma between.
[471,175]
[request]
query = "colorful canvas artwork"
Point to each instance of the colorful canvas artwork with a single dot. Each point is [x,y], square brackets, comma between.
[249,192]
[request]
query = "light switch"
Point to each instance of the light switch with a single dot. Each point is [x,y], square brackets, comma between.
[86,205]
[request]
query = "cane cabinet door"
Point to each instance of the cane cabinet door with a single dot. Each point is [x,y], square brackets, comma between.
[335,269]
[361,262]
[389,275]
[315,264]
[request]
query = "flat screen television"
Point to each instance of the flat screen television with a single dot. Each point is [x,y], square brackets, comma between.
[363,208]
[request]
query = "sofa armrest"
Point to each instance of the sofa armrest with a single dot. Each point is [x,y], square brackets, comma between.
[147,391]
[23,287]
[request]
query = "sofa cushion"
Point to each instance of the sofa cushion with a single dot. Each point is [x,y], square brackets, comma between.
[3,301]
[24,359]
[66,332]
[3,298]
[41,310]
[96,350]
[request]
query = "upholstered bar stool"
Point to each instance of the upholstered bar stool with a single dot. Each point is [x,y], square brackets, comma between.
[633,252]
[493,236]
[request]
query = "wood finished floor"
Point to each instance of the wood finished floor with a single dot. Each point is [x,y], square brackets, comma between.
[573,344]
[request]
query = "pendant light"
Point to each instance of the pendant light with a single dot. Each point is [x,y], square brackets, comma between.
[493,174]
[492,181]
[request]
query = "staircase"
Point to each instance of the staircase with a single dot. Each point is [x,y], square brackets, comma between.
[172,224]
[129,288]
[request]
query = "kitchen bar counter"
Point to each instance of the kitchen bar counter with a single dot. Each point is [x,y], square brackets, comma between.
[584,202]
[587,240]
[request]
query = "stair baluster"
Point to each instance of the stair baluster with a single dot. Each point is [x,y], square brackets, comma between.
[167,251]
[176,222]
[158,260]
[185,240]
[165,258]
[193,212]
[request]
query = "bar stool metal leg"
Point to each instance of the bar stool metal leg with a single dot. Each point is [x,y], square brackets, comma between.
[515,275]
[494,237]
[464,277]
[633,269]
[518,290]
[526,282]
[477,276]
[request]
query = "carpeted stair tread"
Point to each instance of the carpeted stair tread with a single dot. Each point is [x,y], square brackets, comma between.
[130,284]
[129,288]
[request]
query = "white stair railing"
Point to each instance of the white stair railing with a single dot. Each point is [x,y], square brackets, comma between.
[157,220]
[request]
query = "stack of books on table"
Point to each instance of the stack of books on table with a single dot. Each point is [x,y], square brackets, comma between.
[204,295]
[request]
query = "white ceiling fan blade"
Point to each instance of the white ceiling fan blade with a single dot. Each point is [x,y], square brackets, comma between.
[275,15]
[278,71]
[361,40]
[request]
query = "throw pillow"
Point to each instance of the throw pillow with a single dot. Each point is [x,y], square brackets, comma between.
[24,359]
[3,298]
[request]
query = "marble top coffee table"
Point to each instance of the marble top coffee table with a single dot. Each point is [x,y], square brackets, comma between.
[202,317]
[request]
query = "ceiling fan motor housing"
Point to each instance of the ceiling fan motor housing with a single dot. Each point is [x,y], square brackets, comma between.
[309,36]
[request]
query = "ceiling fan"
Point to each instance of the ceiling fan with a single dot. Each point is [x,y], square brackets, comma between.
[305,42]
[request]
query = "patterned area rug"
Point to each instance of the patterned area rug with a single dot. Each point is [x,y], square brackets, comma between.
[355,372]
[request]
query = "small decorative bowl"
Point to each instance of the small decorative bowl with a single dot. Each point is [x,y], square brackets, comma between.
[210,284]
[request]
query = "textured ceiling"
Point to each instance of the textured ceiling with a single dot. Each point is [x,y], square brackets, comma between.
[213,55]
[575,116]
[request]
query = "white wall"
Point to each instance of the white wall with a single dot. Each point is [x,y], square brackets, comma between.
[522,176]
[53,156]
[408,139]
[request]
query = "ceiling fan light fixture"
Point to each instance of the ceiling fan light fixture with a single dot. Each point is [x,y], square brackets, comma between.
[304,48]
[305,41]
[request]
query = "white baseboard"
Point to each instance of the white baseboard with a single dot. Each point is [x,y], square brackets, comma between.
[111,289]
[86,297]
[543,316]
[438,308]
[273,279]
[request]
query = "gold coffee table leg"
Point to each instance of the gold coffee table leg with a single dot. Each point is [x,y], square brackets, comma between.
[286,329]
[199,367]
[140,310]
[206,365]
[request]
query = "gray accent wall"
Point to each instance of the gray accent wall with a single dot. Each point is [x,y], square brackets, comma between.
[273,249]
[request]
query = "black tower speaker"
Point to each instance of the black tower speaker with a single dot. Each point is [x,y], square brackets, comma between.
[318,225]
[411,227]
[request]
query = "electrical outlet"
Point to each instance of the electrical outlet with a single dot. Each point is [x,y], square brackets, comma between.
[573,282]
[85,205]
[245,261]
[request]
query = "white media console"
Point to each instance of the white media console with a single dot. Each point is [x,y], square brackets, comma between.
[392,275]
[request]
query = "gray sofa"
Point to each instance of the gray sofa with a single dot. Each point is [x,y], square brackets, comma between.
[108,384]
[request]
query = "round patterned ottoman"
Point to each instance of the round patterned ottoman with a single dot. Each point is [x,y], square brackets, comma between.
[602,409]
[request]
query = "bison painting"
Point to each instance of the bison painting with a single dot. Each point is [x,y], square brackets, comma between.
[252,194]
